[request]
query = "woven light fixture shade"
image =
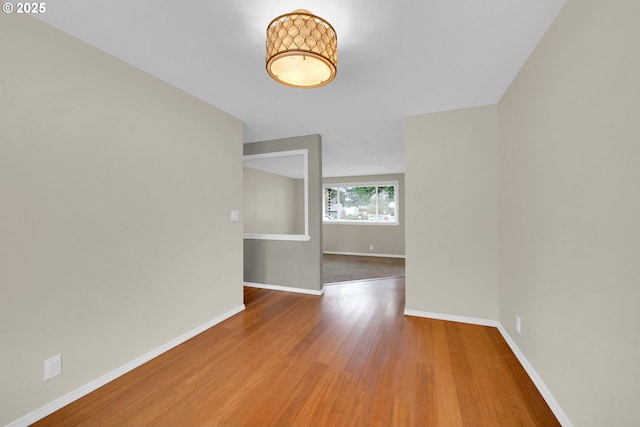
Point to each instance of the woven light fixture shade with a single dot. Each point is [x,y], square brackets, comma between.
[302,50]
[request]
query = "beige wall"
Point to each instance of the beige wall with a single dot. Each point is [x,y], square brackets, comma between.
[570,211]
[568,152]
[451,204]
[273,204]
[295,264]
[115,192]
[351,238]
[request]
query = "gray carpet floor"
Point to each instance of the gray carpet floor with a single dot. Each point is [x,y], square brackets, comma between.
[347,268]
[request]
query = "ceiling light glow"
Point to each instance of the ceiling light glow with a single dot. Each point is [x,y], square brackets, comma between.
[302,50]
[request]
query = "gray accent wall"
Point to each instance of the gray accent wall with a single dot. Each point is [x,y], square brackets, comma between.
[358,238]
[296,264]
[115,199]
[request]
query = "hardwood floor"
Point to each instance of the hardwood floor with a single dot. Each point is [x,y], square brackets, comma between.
[348,358]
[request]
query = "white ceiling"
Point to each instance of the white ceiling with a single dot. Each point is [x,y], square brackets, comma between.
[395,59]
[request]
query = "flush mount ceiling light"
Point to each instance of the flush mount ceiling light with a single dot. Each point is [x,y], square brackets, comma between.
[302,50]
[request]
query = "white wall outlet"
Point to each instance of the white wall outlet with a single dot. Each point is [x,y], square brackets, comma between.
[370,247]
[518,324]
[235,215]
[52,367]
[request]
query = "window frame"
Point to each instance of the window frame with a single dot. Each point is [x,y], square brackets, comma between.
[396,193]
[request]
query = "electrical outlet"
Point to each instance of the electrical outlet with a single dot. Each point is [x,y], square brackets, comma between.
[52,367]
[370,247]
[518,324]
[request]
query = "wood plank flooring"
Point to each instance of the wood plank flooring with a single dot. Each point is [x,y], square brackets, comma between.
[348,358]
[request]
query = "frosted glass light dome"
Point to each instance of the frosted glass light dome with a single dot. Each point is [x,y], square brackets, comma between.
[302,50]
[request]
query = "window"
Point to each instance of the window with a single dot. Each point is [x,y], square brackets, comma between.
[368,203]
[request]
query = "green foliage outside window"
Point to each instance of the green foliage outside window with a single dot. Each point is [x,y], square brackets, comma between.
[360,203]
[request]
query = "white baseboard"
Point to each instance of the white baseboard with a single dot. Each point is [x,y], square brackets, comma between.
[51,407]
[451,318]
[364,254]
[284,288]
[537,380]
[542,388]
